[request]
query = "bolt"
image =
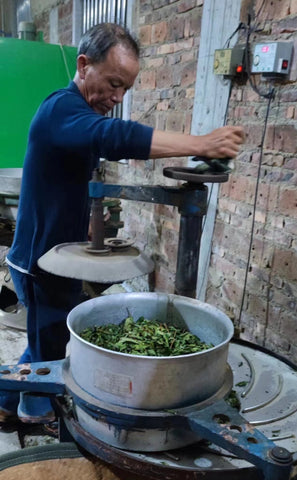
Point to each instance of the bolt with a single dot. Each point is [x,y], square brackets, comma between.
[281,455]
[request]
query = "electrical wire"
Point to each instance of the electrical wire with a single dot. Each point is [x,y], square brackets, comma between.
[268,95]
[212,187]
[270,98]
[227,43]
[247,63]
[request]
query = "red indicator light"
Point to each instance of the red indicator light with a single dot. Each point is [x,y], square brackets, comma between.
[265,49]
[285,64]
[239,69]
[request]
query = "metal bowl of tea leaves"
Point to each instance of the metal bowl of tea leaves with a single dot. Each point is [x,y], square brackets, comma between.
[146,379]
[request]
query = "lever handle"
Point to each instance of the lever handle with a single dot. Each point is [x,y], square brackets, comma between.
[224,426]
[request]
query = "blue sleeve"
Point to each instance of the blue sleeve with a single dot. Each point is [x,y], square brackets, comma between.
[75,126]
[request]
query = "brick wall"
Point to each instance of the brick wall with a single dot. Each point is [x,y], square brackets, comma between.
[41,18]
[163,97]
[269,306]
[169,32]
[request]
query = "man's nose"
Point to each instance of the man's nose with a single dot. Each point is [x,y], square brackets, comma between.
[118,95]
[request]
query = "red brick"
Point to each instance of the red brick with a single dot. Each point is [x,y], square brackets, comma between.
[186,5]
[267,196]
[145,33]
[65,10]
[188,75]
[288,202]
[273,160]
[290,163]
[232,290]
[176,28]
[164,77]
[253,135]
[272,9]
[242,189]
[293,7]
[262,253]
[175,122]
[159,32]
[282,138]
[148,80]
[284,264]
[164,280]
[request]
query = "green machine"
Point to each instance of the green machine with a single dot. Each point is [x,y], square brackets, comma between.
[29,72]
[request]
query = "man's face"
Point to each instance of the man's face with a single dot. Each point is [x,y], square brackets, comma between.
[104,84]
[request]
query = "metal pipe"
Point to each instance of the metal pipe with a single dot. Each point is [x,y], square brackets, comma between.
[192,205]
[97,224]
[190,231]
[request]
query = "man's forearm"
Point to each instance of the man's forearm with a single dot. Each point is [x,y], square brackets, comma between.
[220,143]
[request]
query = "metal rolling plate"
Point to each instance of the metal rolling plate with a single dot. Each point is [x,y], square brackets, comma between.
[74,260]
[191,175]
[266,386]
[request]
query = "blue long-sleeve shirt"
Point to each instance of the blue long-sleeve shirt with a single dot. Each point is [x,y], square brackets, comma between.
[66,139]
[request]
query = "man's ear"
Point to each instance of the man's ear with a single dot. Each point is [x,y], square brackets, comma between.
[82,62]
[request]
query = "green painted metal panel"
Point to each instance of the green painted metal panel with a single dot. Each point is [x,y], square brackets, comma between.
[29,71]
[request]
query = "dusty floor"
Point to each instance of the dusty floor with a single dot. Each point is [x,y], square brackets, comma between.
[13,341]
[12,344]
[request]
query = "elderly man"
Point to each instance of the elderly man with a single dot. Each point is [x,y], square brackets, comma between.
[68,134]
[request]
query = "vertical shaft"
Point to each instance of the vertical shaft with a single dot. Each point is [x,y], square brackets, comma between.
[97,224]
[188,255]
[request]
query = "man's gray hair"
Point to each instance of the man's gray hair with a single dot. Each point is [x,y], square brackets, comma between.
[98,40]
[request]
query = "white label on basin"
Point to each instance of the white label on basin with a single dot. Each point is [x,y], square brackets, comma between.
[114,383]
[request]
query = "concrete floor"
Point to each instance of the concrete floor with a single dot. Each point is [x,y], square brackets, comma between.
[13,341]
[12,345]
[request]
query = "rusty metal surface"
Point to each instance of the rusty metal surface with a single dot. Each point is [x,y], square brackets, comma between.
[74,260]
[176,465]
[265,400]
[190,175]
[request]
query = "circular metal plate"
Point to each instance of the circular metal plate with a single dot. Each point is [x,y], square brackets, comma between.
[152,429]
[190,175]
[266,386]
[116,242]
[72,260]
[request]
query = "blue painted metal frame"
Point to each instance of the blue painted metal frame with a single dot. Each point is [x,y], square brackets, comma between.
[42,377]
[191,200]
[230,431]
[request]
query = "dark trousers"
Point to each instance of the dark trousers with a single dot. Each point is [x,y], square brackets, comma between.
[48,300]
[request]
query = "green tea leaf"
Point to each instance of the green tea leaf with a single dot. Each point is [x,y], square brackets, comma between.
[144,337]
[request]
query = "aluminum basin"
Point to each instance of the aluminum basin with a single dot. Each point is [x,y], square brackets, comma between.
[145,382]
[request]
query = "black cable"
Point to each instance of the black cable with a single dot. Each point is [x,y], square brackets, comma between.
[247,62]
[212,185]
[270,98]
[239,27]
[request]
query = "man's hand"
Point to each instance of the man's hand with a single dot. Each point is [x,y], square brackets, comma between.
[223,142]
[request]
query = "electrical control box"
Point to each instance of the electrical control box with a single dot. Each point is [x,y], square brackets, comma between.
[229,61]
[272,59]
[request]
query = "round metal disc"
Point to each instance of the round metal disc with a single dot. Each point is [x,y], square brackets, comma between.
[190,175]
[116,242]
[72,260]
[266,386]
